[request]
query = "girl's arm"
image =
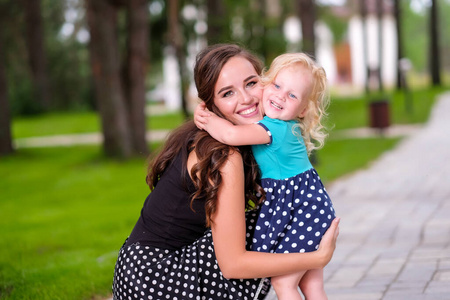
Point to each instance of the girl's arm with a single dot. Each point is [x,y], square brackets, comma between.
[228,133]
[235,135]
[229,232]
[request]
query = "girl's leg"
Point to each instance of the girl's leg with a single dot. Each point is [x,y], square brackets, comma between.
[311,285]
[286,286]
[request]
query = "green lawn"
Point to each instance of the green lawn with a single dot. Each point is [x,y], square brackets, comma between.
[63,215]
[65,212]
[79,122]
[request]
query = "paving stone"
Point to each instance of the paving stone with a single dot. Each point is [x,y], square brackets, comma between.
[395,231]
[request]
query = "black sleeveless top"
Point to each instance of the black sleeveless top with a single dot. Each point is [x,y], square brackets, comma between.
[167,220]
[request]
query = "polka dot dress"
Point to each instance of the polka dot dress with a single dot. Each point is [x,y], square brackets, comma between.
[295,215]
[144,272]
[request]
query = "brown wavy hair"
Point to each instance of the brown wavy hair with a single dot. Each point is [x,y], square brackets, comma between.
[211,154]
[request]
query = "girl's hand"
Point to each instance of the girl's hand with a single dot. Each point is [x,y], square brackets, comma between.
[328,242]
[201,115]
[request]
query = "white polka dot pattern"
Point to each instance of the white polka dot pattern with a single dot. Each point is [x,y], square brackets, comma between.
[295,215]
[145,272]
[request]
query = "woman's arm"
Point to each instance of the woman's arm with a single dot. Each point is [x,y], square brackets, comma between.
[229,228]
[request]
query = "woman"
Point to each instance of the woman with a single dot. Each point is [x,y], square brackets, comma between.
[190,239]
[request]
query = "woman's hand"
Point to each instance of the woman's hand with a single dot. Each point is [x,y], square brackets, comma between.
[328,242]
[201,115]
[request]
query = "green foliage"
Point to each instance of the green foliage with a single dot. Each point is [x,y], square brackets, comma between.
[67,62]
[444,11]
[158,29]
[23,102]
[415,37]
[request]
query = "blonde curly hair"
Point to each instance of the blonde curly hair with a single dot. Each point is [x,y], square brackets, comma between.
[312,129]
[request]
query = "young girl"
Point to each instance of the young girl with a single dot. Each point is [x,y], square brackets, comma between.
[297,210]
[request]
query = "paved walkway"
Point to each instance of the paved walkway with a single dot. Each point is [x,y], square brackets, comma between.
[394,241]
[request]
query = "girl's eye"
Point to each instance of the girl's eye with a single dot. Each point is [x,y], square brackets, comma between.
[292,96]
[276,86]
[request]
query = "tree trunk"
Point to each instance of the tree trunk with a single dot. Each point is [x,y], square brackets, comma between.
[105,64]
[307,14]
[36,52]
[176,42]
[398,21]
[434,45]
[136,70]
[5,118]
[363,13]
[215,10]
[380,44]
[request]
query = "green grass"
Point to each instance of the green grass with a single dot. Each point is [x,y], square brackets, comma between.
[353,112]
[79,122]
[65,212]
[340,157]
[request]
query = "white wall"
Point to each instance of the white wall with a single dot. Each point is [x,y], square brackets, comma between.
[389,49]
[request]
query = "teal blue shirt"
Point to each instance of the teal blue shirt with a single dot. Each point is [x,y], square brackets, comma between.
[286,155]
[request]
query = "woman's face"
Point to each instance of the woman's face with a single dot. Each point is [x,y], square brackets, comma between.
[238,92]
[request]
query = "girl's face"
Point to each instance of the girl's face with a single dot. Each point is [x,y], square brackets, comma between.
[238,92]
[286,98]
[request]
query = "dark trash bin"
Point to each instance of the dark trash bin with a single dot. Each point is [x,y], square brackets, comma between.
[379,114]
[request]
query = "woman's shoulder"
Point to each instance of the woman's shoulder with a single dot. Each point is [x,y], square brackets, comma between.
[233,165]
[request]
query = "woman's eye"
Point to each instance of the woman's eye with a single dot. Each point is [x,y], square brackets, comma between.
[252,83]
[227,94]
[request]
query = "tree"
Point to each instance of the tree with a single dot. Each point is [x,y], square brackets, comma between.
[398,22]
[215,19]
[176,42]
[36,52]
[307,15]
[120,95]
[136,68]
[379,12]
[363,13]
[273,40]
[105,65]
[5,119]
[434,53]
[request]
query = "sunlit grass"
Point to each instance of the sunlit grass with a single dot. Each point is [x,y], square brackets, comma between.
[79,122]
[353,112]
[64,214]
[341,157]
